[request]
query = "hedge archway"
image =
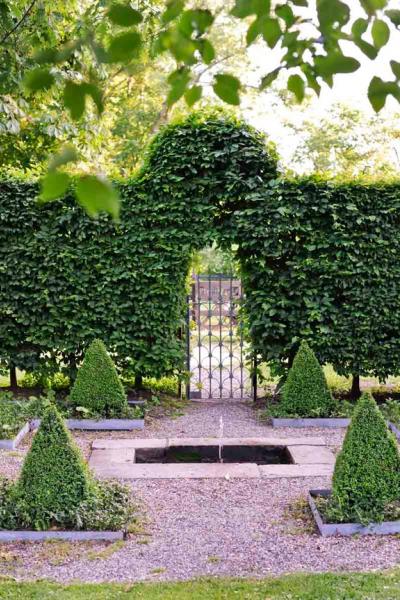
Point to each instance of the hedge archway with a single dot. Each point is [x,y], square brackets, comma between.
[314,259]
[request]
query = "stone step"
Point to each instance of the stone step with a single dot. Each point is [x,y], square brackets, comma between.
[311,455]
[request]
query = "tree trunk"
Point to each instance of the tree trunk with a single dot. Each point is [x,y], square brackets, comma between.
[73,370]
[13,376]
[138,382]
[355,392]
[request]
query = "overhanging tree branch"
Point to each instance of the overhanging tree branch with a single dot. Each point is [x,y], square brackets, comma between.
[19,23]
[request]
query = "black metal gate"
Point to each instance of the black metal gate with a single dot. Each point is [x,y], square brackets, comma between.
[216,352]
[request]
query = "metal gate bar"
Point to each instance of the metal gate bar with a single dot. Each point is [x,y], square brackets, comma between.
[215,344]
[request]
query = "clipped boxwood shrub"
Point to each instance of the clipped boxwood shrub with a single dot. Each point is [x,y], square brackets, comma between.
[306,393]
[367,471]
[54,480]
[97,386]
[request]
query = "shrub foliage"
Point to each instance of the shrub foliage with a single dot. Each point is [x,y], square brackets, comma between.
[71,279]
[54,480]
[97,386]
[367,471]
[306,393]
[314,259]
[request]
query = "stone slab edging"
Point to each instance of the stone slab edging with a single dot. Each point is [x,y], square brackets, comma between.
[99,425]
[329,529]
[13,443]
[142,443]
[394,430]
[311,422]
[73,536]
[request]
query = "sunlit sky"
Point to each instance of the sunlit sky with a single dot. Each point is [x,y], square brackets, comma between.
[350,89]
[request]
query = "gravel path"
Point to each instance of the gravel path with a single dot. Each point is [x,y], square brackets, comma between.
[248,527]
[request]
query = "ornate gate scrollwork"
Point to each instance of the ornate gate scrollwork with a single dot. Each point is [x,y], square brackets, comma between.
[215,344]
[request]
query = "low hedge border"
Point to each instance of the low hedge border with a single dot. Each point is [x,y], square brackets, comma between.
[329,529]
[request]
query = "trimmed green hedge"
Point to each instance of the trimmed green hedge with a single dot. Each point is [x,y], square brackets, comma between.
[97,386]
[367,471]
[305,392]
[54,480]
[319,261]
[66,279]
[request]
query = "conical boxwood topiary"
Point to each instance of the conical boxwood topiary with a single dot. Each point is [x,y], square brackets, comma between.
[54,480]
[305,392]
[97,386]
[367,470]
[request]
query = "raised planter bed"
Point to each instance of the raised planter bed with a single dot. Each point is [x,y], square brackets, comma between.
[99,425]
[329,529]
[13,443]
[72,536]
[311,422]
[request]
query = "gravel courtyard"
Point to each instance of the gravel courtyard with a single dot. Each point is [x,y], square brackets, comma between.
[191,528]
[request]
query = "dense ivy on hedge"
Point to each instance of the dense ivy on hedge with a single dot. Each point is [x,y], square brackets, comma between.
[67,279]
[367,471]
[97,386]
[319,261]
[305,392]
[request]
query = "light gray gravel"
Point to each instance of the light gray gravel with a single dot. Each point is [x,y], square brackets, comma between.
[251,527]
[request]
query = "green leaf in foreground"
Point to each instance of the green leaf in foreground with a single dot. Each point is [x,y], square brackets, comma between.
[335,63]
[74,99]
[124,15]
[296,85]
[66,155]
[269,78]
[227,88]
[97,195]
[178,81]
[193,94]
[394,16]
[378,91]
[38,79]
[380,33]
[124,47]
[53,185]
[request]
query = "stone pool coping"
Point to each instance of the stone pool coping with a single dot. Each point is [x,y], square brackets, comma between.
[72,536]
[329,529]
[116,459]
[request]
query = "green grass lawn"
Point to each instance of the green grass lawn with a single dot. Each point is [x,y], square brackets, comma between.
[366,586]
